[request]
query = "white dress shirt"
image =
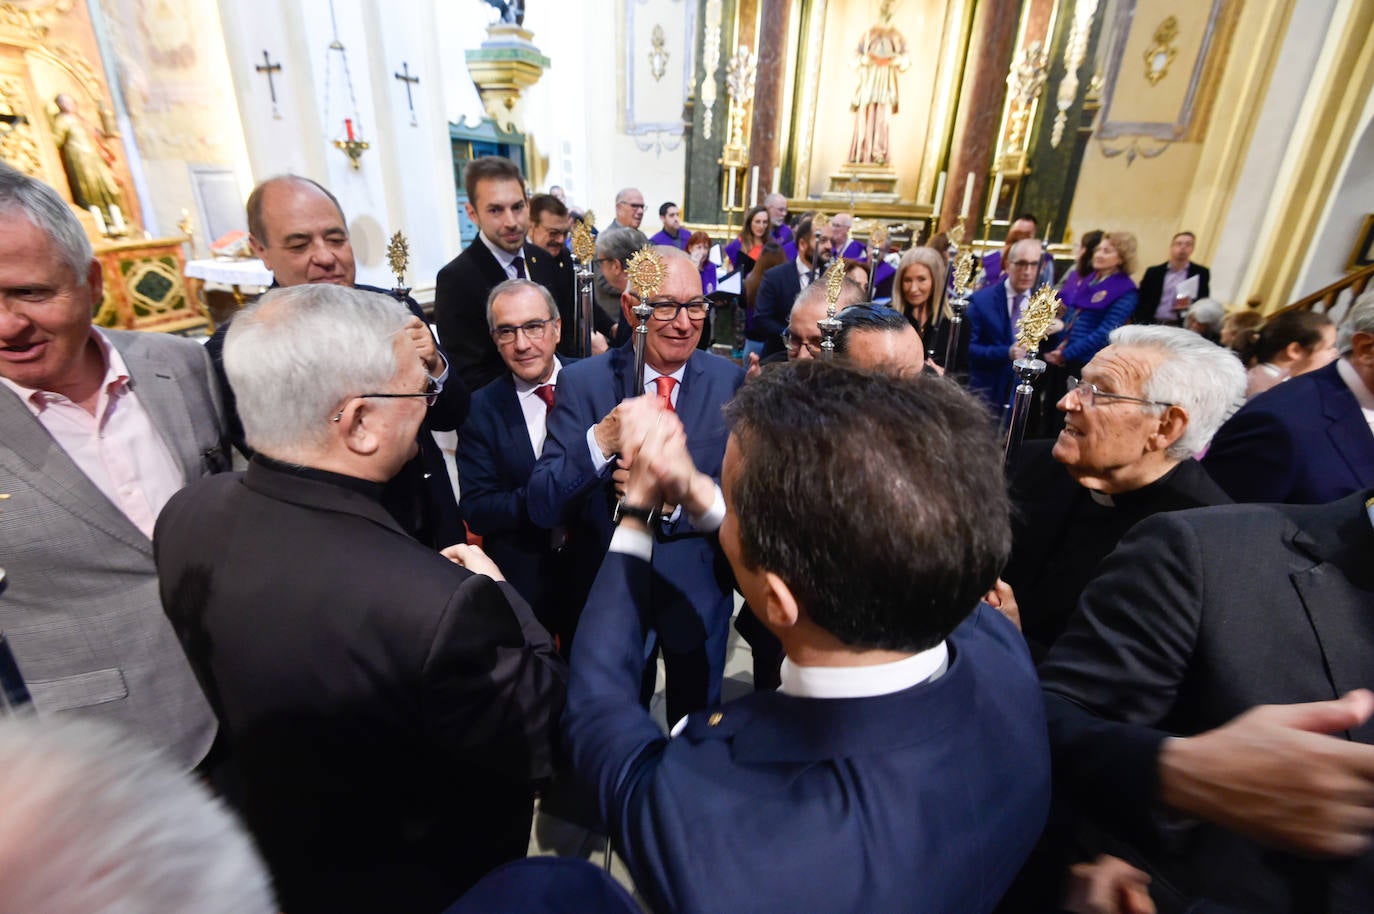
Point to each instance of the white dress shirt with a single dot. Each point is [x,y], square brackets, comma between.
[536,413]
[505,258]
[600,460]
[802,271]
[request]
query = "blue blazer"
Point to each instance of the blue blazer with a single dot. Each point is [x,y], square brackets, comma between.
[990,337]
[694,601]
[926,799]
[779,289]
[1304,441]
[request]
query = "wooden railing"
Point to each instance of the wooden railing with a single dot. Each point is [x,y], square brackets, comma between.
[1327,297]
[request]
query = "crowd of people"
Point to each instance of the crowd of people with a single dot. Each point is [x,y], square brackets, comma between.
[1124,671]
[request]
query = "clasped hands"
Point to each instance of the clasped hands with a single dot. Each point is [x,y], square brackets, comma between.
[653,463]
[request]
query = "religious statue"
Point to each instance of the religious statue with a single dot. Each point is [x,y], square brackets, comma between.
[881,57]
[512,11]
[86,161]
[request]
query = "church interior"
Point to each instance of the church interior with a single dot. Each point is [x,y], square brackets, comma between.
[1248,124]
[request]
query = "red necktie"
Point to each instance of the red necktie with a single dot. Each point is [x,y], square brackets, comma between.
[665,386]
[545,393]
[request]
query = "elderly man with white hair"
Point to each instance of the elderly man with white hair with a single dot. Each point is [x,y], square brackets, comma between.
[1145,407]
[390,709]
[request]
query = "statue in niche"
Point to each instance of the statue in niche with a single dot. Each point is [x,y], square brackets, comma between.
[880,58]
[512,11]
[85,159]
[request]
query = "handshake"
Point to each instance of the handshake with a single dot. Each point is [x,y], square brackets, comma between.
[653,465]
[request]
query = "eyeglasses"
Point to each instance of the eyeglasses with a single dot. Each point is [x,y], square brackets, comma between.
[1088,393]
[1024,264]
[631,205]
[795,343]
[432,390]
[533,330]
[667,310]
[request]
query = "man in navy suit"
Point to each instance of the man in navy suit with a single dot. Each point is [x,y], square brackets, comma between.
[499,444]
[1308,440]
[783,283]
[992,315]
[903,764]
[572,484]
[497,204]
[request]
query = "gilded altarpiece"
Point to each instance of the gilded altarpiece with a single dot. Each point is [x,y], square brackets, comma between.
[57,124]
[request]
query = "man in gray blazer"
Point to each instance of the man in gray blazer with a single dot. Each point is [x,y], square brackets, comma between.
[98,428]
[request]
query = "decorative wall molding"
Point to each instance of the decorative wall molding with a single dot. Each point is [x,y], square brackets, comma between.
[652,129]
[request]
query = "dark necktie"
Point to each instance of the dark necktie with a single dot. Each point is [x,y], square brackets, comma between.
[519,264]
[1016,309]
[665,386]
[810,277]
[545,393]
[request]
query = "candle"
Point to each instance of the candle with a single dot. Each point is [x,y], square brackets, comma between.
[939,194]
[348,126]
[99,220]
[777,179]
[753,185]
[730,192]
[117,219]
[996,195]
[968,195]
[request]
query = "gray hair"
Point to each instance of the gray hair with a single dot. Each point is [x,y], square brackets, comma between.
[1204,380]
[1207,311]
[624,193]
[851,293]
[774,196]
[1020,245]
[97,823]
[42,206]
[296,353]
[512,285]
[1359,319]
[619,243]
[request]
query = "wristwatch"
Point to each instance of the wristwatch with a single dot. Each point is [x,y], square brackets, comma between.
[623,510]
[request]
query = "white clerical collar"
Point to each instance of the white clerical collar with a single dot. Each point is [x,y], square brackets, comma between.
[1352,379]
[864,681]
[503,257]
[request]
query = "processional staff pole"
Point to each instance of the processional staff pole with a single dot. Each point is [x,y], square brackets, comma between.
[1031,331]
[958,306]
[647,271]
[877,243]
[584,254]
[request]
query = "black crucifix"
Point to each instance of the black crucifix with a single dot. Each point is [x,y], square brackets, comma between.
[268,67]
[405,77]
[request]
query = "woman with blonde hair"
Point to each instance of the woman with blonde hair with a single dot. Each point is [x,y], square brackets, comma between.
[1101,303]
[919,294]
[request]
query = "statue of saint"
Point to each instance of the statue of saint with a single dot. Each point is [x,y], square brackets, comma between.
[881,56]
[85,160]
[512,11]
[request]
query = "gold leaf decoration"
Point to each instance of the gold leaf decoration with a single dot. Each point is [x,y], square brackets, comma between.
[647,271]
[398,255]
[834,283]
[1036,318]
[963,274]
[583,244]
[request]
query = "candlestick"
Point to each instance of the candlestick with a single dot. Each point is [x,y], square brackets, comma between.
[968,195]
[996,194]
[117,220]
[777,179]
[99,220]
[348,127]
[939,194]
[730,192]
[754,186]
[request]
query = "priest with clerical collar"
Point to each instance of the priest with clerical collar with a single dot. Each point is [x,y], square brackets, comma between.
[1146,406]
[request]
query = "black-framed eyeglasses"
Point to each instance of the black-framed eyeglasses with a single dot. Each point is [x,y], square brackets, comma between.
[794,344]
[1088,393]
[533,330]
[432,390]
[1024,264]
[667,310]
[633,205]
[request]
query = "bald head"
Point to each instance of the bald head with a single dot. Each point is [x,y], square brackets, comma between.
[298,230]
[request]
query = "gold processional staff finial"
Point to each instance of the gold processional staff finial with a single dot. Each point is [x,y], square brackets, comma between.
[398,255]
[647,272]
[1036,319]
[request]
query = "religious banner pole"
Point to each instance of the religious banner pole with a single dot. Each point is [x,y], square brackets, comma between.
[958,306]
[830,324]
[877,243]
[647,270]
[1034,326]
[584,253]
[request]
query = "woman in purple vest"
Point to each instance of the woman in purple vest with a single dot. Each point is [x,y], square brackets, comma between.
[753,235]
[1100,303]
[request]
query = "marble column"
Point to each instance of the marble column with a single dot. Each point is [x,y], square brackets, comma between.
[980,107]
[767,124]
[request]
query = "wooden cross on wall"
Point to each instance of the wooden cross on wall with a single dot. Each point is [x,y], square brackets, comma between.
[268,67]
[405,77]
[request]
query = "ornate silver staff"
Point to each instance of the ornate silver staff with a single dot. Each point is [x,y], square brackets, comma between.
[647,270]
[398,256]
[958,306]
[877,242]
[1034,326]
[584,253]
[830,324]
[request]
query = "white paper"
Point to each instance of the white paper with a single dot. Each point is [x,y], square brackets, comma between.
[730,284]
[1187,289]
[714,255]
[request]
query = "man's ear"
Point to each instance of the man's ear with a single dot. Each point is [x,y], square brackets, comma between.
[1173,423]
[628,300]
[779,608]
[353,429]
[95,281]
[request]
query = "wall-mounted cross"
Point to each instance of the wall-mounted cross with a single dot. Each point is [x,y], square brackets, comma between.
[268,67]
[405,77]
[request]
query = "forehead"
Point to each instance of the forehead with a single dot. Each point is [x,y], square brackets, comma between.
[633,197]
[553,220]
[842,221]
[24,242]
[683,281]
[290,208]
[915,270]
[1122,369]
[805,317]
[518,306]
[504,191]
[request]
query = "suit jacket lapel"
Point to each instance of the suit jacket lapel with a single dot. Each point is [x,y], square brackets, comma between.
[1349,432]
[491,268]
[33,455]
[1338,593]
[513,425]
[158,386]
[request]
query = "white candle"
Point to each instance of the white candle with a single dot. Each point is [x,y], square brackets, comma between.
[939,194]
[996,194]
[777,179]
[99,220]
[753,185]
[117,219]
[730,189]
[968,195]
